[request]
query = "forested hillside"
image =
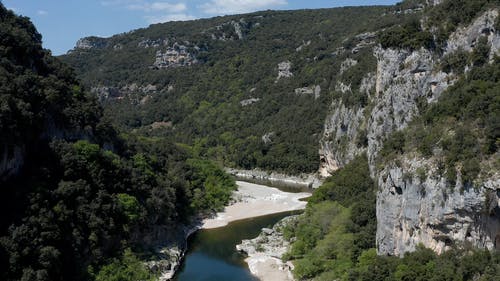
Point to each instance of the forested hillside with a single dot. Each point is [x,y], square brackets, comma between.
[74,194]
[252,91]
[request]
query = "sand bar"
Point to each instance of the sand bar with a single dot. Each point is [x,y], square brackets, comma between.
[255,200]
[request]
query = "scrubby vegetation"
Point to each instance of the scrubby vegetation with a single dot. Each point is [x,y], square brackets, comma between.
[408,35]
[93,179]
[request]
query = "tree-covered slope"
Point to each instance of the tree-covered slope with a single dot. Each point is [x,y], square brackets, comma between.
[229,101]
[73,194]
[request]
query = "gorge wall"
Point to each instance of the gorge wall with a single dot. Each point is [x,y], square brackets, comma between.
[414,203]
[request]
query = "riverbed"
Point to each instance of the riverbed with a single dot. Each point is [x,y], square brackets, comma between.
[212,254]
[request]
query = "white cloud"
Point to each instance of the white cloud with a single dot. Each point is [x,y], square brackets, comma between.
[217,7]
[169,17]
[119,2]
[155,11]
[158,6]
[42,13]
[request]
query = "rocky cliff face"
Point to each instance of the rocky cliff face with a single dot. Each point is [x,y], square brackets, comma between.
[175,56]
[338,145]
[88,43]
[403,78]
[304,181]
[414,203]
[137,94]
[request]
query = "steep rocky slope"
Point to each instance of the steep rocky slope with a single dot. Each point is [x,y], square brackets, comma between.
[410,209]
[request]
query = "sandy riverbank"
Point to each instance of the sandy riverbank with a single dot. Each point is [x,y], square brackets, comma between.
[254,200]
[265,252]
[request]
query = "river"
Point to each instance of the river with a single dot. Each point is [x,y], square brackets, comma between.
[212,254]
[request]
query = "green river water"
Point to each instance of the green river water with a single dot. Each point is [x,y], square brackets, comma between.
[212,254]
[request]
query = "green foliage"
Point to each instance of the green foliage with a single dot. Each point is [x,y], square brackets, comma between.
[128,268]
[409,35]
[446,17]
[366,63]
[212,187]
[394,145]
[338,224]
[481,53]
[130,205]
[455,62]
[424,264]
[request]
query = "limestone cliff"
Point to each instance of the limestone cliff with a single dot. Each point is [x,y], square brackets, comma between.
[414,206]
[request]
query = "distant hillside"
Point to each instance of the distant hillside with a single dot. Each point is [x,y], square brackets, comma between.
[250,90]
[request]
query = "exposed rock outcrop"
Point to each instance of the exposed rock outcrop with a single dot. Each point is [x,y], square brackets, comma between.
[249,101]
[465,38]
[135,93]
[402,79]
[93,42]
[415,204]
[150,43]
[338,146]
[284,70]
[267,138]
[303,45]
[314,91]
[11,160]
[346,64]
[265,252]
[170,246]
[276,179]
[232,30]
[175,56]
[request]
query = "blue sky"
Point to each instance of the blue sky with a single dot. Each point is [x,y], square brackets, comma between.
[63,22]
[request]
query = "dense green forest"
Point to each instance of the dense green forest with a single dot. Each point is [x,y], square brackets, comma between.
[82,190]
[201,104]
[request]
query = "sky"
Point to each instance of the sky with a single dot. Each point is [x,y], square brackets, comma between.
[63,22]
